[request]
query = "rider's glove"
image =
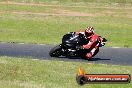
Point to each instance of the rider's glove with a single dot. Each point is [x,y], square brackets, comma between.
[86,46]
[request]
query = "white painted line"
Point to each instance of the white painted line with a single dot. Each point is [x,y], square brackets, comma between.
[41,44]
[35,59]
[115,47]
[21,43]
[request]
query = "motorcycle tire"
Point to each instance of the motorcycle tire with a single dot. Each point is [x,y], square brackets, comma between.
[56,51]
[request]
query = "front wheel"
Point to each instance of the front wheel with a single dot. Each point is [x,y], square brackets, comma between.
[56,51]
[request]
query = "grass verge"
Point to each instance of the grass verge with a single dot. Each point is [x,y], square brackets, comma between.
[47,24]
[29,73]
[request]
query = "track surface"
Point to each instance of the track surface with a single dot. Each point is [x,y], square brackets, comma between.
[116,56]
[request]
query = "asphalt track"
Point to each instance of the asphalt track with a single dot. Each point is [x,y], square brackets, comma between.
[114,56]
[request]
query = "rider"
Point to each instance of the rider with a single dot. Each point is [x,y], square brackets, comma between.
[92,41]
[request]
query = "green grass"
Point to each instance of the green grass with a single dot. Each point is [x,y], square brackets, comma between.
[74,1]
[31,25]
[28,73]
[110,20]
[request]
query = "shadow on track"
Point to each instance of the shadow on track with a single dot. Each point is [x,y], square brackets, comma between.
[97,59]
[78,58]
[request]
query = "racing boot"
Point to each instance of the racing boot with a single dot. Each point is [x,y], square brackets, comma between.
[89,55]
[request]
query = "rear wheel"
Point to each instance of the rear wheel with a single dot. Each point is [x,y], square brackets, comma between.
[56,51]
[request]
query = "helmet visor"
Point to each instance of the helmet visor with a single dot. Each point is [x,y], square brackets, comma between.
[88,34]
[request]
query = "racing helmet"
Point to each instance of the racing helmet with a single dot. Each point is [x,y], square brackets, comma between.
[89,32]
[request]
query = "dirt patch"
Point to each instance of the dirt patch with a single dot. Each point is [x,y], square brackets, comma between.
[57,12]
[49,14]
[73,13]
[91,5]
[34,4]
[27,4]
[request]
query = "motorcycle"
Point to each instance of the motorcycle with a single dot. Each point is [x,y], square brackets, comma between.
[71,46]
